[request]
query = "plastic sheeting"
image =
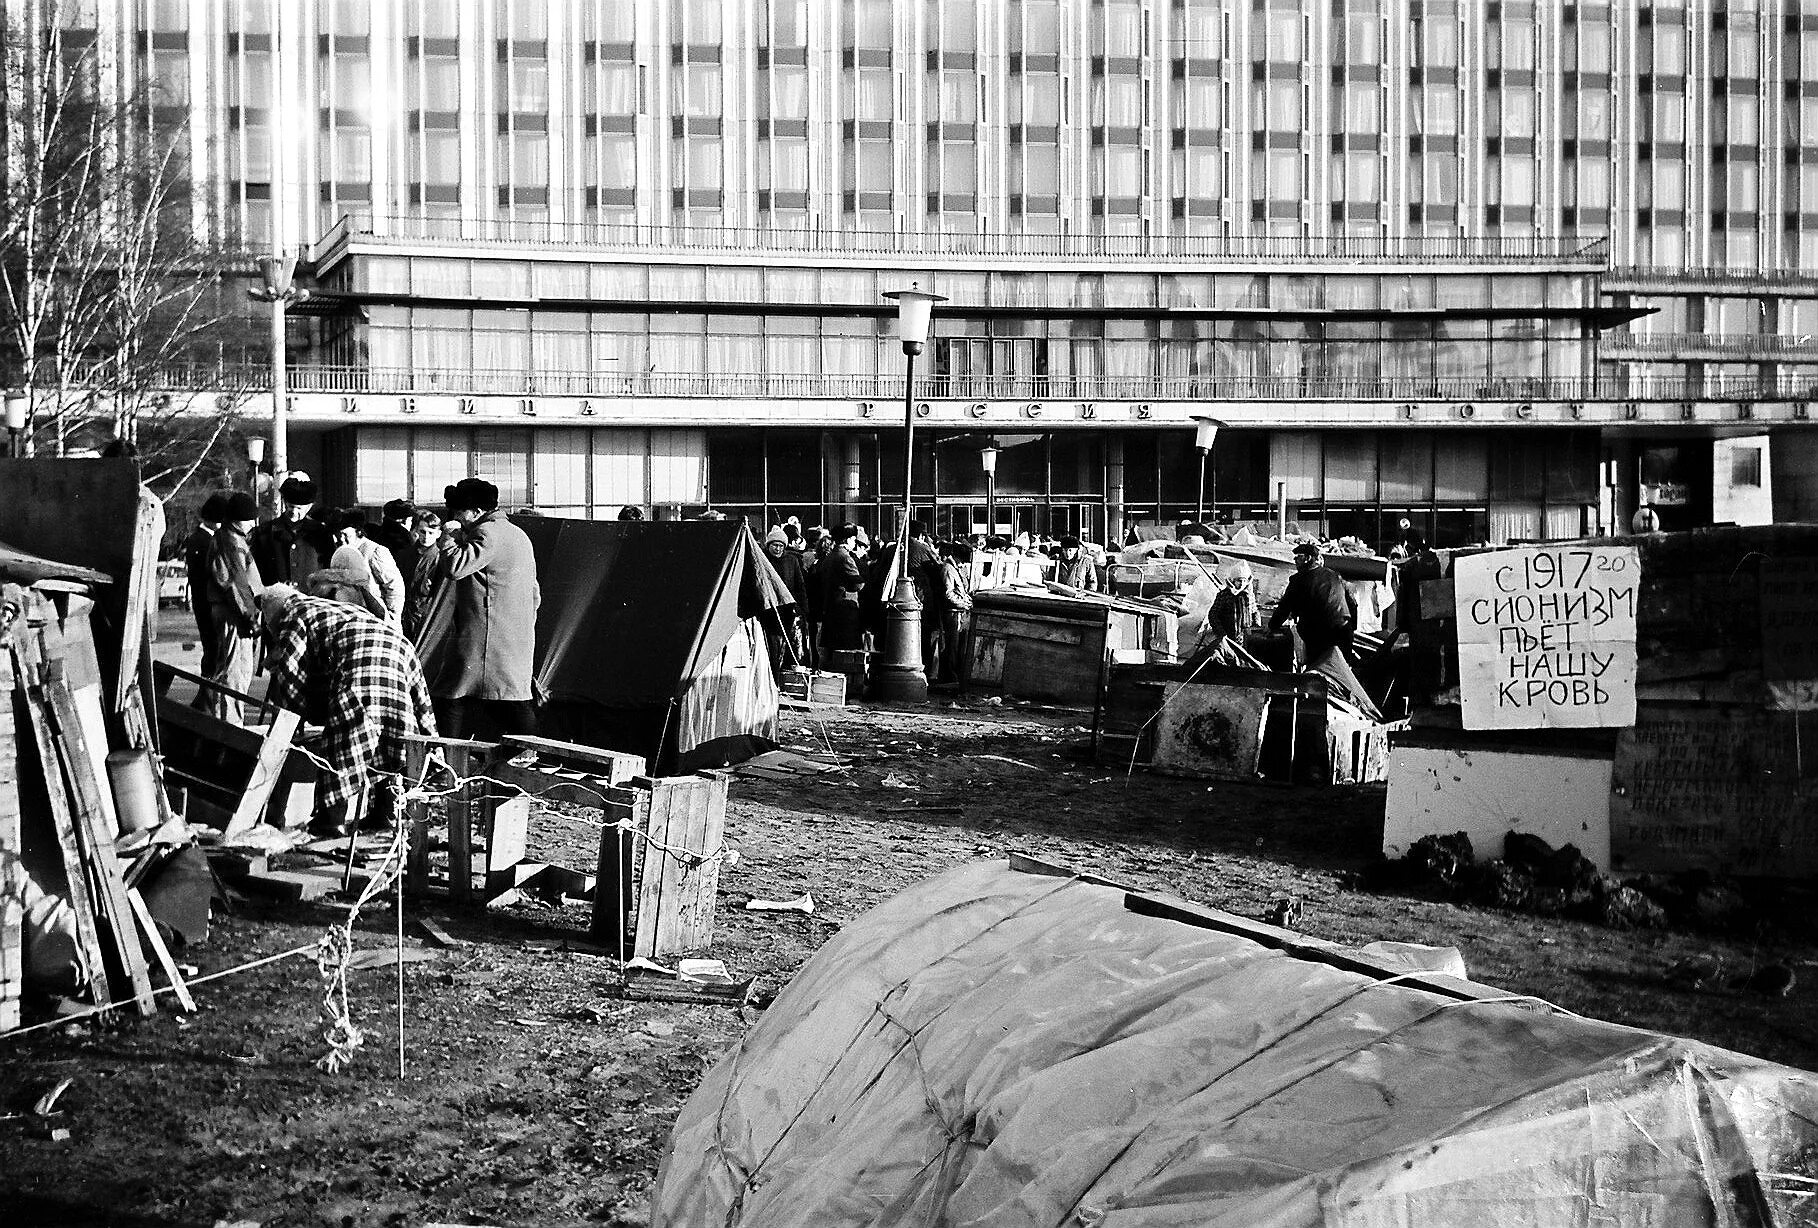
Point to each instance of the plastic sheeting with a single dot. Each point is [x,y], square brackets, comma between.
[999,1048]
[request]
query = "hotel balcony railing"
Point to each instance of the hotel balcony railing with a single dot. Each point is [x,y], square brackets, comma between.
[889,389]
[756,240]
[1686,345]
[1801,283]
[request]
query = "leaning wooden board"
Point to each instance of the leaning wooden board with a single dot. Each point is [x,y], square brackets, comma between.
[682,821]
[97,840]
[26,654]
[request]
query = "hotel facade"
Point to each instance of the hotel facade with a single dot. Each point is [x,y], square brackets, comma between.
[1506,268]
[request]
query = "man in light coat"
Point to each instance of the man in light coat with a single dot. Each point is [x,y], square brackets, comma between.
[492,652]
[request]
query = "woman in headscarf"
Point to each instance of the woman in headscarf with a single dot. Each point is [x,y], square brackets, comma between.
[1234,613]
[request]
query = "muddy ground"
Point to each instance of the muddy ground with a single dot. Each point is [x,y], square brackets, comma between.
[534,1097]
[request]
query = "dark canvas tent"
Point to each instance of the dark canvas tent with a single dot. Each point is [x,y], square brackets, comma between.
[650,638]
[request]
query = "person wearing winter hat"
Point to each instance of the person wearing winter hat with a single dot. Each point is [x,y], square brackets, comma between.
[393,532]
[794,576]
[233,610]
[492,648]
[1074,569]
[195,569]
[356,552]
[290,547]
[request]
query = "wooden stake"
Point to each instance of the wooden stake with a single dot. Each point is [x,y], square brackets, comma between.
[149,928]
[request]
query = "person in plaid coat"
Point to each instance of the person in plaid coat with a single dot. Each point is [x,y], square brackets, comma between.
[358,678]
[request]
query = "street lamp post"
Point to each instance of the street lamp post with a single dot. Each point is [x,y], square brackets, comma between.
[255,456]
[18,413]
[278,274]
[987,457]
[902,676]
[1205,432]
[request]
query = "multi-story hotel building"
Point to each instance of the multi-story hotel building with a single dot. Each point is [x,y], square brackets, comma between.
[1505,267]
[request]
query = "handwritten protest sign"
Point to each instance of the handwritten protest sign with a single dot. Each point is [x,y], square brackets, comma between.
[1546,637]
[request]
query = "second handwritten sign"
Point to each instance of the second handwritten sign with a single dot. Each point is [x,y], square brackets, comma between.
[1546,637]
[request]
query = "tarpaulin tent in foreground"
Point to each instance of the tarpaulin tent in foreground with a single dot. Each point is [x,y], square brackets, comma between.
[649,638]
[995,1047]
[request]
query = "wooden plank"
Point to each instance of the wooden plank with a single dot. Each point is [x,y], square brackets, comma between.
[700,884]
[293,885]
[622,766]
[12,870]
[652,822]
[678,796]
[155,940]
[510,832]
[460,825]
[97,840]
[545,784]
[267,766]
[416,819]
[88,934]
[94,737]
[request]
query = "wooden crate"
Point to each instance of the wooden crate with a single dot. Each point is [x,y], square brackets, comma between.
[814,686]
[678,827]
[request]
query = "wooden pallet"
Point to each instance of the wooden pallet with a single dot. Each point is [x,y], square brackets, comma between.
[682,820]
[464,800]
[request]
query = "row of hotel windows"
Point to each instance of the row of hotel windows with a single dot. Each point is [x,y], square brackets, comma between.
[1514,484]
[443,346]
[506,280]
[1279,29]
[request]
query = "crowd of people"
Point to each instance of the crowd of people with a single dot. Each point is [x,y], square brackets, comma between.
[841,587]
[423,621]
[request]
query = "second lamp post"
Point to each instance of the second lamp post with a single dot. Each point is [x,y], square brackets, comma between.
[902,676]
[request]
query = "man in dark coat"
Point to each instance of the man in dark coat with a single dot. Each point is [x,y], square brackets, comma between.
[233,609]
[195,566]
[492,649]
[842,577]
[1323,610]
[295,545]
[394,533]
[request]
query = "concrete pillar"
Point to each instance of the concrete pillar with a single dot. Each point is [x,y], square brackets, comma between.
[1114,491]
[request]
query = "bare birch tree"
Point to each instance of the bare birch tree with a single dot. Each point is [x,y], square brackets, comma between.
[114,289]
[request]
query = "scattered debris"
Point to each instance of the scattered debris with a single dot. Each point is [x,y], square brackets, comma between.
[1695,972]
[441,937]
[896,780]
[803,903]
[1283,910]
[389,957]
[1006,759]
[46,1104]
[704,971]
[1534,877]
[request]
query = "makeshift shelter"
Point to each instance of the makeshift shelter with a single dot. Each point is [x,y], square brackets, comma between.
[995,1047]
[650,638]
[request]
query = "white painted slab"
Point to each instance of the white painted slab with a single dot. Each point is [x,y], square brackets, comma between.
[1488,793]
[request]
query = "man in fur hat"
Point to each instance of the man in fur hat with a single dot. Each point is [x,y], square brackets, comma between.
[295,544]
[493,648]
